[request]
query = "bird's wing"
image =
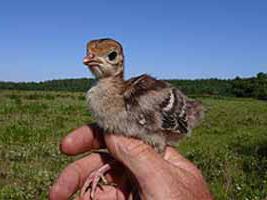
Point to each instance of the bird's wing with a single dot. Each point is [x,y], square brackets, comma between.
[159,106]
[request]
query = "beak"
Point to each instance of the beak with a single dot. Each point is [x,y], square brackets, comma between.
[89,60]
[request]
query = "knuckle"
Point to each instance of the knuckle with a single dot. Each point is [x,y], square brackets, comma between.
[136,149]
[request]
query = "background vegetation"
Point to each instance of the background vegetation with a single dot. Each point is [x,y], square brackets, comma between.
[230,146]
[255,87]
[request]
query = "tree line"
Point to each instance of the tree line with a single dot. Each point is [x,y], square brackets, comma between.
[255,87]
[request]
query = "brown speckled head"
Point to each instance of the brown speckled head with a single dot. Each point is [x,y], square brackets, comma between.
[101,46]
[104,58]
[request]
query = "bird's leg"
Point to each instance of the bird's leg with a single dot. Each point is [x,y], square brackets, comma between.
[92,182]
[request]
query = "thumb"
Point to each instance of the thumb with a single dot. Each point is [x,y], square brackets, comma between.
[137,156]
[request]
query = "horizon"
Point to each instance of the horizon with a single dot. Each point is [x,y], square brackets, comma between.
[43,41]
[179,79]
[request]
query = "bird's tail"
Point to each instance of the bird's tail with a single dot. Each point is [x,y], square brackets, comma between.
[195,112]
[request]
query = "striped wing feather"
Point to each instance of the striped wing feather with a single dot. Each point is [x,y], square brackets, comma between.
[150,98]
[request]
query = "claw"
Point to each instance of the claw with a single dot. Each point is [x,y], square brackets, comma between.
[93,182]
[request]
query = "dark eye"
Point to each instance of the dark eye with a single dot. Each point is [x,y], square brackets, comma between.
[112,55]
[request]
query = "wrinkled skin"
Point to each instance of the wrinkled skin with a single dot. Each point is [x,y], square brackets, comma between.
[157,178]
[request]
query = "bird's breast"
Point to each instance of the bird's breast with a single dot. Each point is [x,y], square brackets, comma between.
[107,106]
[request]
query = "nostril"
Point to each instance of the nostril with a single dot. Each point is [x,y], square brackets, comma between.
[88,58]
[91,55]
[85,60]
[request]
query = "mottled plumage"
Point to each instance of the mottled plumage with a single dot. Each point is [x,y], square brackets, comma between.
[142,107]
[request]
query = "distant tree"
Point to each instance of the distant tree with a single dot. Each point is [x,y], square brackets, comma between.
[255,87]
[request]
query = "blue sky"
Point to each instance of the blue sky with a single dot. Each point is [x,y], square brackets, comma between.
[44,40]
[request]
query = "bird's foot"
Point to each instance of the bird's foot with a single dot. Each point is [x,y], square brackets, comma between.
[89,188]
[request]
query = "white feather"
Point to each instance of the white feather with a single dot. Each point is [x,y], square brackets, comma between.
[171,102]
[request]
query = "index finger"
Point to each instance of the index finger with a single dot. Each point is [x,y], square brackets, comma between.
[85,138]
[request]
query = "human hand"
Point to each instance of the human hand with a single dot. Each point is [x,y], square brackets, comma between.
[170,177]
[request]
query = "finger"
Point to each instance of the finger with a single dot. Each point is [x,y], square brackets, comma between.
[150,169]
[74,175]
[83,139]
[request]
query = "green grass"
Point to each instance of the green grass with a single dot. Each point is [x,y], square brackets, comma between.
[230,146]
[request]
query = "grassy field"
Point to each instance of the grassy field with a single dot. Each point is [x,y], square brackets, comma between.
[230,146]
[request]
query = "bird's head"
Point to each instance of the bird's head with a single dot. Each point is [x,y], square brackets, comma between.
[104,58]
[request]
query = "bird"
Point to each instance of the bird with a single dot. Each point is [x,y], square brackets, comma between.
[141,107]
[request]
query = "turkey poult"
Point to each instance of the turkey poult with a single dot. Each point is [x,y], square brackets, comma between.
[141,107]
